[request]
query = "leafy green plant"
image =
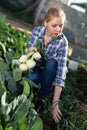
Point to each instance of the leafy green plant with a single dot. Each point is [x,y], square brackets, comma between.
[14,40]
[16,91]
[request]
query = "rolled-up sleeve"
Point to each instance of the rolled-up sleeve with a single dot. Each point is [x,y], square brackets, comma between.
[62,65]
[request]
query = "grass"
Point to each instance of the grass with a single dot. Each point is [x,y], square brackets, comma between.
[73,103]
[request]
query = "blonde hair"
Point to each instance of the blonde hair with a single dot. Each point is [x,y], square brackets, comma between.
[54,12]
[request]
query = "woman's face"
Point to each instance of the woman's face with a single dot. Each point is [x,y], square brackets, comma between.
[54,26]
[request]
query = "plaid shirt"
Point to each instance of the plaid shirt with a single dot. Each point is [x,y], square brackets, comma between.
[57,49]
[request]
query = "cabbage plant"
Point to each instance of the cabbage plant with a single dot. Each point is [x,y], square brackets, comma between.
[16,108]
[16,91]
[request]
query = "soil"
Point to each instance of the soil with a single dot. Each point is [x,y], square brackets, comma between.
[83,108]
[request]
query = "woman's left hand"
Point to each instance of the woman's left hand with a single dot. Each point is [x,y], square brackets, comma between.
[56,113]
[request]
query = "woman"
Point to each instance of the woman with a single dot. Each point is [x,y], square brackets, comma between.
[55,45]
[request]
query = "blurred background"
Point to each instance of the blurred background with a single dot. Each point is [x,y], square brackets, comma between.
[25,14]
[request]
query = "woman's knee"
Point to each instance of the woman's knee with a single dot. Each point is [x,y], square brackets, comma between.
[35,77]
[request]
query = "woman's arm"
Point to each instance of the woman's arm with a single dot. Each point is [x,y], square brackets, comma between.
[55,107]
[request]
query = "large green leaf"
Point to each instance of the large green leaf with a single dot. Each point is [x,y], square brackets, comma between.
[37,124]
[12,125]
[22,124]
[1,127]
[22,110]
[10,82]
[31,97]
[3,66]
[39,48]
[3,99]
[26,90]
[9,128]
[32,84]
[14,105]
[2,89]
[17,74]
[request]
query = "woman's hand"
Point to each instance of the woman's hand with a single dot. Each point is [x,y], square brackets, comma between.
[30,49]
[55,107]
[56,113]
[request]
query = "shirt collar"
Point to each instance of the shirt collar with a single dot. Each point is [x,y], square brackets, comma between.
[60,36]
